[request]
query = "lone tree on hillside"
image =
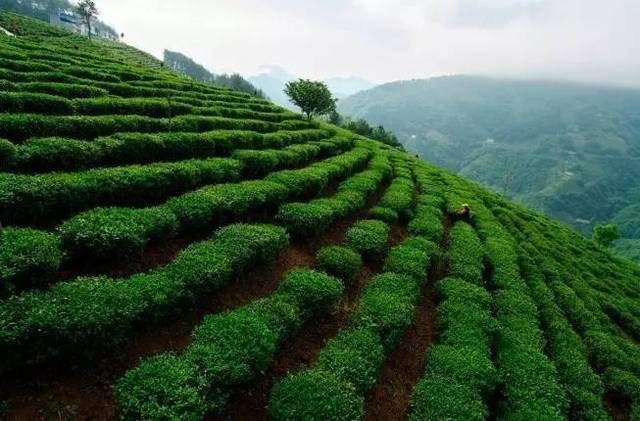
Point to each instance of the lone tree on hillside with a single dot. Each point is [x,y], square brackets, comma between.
[605,234]
[87,10]
[313,97]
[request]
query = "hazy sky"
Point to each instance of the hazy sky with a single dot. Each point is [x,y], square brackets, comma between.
[385,40]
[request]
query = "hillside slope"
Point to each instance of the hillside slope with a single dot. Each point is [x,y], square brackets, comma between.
[175,250]
[571,151]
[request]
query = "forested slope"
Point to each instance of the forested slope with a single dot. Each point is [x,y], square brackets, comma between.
[571,151]
[176,250]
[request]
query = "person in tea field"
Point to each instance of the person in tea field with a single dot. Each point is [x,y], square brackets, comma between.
[464,213]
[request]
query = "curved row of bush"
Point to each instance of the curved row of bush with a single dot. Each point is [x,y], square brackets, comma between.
[400,194]
[237,346]
[104,233]
[428,216]
[228,349]
[61,154]
[26,254]
[459,376]
[348,365]
[42,198]
[91,314]
[608,352]
[583,387]
[19,127]
[19,331]
[317,215]
[529,383]
[121,232]
[43,98]
[266,107]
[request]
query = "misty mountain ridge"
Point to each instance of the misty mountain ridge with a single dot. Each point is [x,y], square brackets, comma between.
[570,150]
[271,79]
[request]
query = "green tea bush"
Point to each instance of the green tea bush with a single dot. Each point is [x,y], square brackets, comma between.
[55,154]
[465,254]
[29,198]
[24,66]
[459,367]
[19,127]
[7,153]
[228,349]
[399,197]
[387,304]
[314,290]
[65,90]
[314,395]
[411,258]
[436,397]
[427,223]
[209,205]
[174,386]
[340,262]
[85,73]
[25,102]
[386,215]
[356,356]
[116,232]
[27,254]
[140,106]
[90,314]
[350,362]
[368,237]
[305,218]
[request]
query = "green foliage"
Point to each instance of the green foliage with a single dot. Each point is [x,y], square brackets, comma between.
[26,198]
[605,235]
[340,262]
[313,290]
[411,258]
[60,321]
[305,218]
[314,395]
[183,64]
[386,215]
[227,349]
[427,222]
[368,237]
[116,232]
[521,138]
[24,102]
[387,304]
[437,397]
[355,355]
[7,152]
[399,197]
[174,385]
[27,254]
[466,254]
[363,128]
[313,97]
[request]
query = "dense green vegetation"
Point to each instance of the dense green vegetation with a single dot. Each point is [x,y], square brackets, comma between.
[195,245]
[570,151]
[183,64]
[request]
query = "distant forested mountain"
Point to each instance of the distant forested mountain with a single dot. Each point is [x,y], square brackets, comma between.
[570,150]
[183,64]
[271,79]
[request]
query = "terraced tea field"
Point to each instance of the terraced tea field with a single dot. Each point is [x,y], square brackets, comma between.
[178,251]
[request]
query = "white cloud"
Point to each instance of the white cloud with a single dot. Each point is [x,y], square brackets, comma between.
[383,40]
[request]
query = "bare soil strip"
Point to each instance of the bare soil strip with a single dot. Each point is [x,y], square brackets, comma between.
[390,398]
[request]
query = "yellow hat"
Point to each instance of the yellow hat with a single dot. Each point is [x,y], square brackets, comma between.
[465,205]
